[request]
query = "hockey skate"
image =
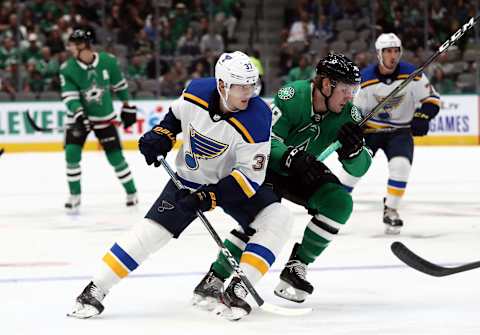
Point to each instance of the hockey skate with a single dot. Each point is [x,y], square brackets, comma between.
[73,204]
[293,285]
[392,221]
[233,306]
[207,294]
[89,302]
[132,200]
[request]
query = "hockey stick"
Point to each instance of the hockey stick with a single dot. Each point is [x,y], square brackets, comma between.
[383,130]
[418,263]
[36,127]
[2,150]
[232,261]
[455,37]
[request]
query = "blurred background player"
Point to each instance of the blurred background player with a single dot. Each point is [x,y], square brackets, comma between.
[399,115]
[86,79]
[308,115]
[223,161]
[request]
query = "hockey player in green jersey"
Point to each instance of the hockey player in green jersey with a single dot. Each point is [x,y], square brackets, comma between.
[307,117]
[86,80]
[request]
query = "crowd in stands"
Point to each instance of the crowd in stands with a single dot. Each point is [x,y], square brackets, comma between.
[162,44]
[312,28]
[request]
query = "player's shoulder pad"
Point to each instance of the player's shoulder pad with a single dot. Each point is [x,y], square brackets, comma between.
[405,69]
[199,91]
[253,123]
[292,89]
[369,75]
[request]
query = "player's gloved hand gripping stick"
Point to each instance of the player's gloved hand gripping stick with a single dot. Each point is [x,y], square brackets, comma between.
[231,260]
[455,37]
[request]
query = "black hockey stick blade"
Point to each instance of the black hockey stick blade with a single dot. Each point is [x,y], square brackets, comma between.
[418,263]
[32,123]
[2,150]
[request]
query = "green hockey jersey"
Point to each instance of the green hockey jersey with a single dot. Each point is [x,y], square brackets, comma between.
[90,86]
[296,125]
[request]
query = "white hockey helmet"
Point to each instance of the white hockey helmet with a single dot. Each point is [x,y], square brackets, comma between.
[384,41]
[235,68]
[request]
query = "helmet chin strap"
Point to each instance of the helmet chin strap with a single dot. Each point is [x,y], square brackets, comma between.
[327,99]
[224,100]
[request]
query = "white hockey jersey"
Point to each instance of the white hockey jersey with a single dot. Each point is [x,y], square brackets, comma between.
[216,147]
[398,112]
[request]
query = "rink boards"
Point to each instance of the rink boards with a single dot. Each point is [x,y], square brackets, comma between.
[456,124]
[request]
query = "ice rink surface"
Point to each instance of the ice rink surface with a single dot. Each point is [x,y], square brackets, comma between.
[48,257]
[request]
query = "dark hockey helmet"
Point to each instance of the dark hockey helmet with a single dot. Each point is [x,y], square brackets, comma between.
[339,68]
[81,36]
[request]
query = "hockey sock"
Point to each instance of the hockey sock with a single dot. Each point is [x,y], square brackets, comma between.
[130,251]
[116,159]
[73,154]
[333,205]
[235,243]
[399,171]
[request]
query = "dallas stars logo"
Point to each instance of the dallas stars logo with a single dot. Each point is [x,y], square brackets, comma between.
[286,93]
[94,93]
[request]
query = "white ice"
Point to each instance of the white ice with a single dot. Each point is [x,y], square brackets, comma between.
[47,257]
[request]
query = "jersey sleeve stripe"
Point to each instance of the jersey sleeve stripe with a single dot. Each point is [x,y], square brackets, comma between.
[244,183]
[369,82]
[405,76]
[241,129]
[195,100]
[431,100]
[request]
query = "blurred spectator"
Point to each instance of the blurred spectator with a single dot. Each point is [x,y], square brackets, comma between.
[197,10]
[188,44]
[361,59]
[33,49]
[15,30]
[54,41]
[166,44]
[179,72]
[302,30]
[142,44]
[136,68]
[35,81]
[12,81]
[302,72]
[180,20]
[48,66]
[64,27]
[199,71]
[169,87]
[324,30]
[442,84]
[223,11]
[212,41]
[113,21]
[8,51]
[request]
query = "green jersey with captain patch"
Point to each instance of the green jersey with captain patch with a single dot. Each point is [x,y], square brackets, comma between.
[89,86]
[296,125]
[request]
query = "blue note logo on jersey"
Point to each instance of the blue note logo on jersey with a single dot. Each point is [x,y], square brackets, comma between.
[202,147]
[392,104]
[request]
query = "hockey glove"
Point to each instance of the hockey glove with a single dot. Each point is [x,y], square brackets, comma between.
[156,142]
[80,121]
[204,199]
[420,123]
[350,135]
[128,115]
[305,167]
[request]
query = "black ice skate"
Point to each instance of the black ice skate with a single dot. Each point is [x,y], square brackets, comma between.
[392,221]
[132,200]
[89,302]
[72,204]
[234,307]
[293,285]
[208,292]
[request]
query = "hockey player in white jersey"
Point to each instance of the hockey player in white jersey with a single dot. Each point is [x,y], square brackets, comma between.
[399,117]
[226,132]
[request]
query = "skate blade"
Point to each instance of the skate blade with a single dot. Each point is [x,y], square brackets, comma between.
[204,303]
[286,291]
[389,230]
[83,312]
[229,313]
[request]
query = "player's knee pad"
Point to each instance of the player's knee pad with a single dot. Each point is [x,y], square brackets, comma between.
[145,238]
[73,153]
[273,226]
[332,201]
[399,168]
